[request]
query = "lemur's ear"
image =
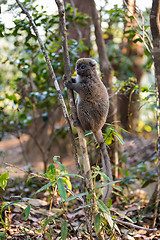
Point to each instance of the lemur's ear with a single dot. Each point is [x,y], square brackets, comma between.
[92,63]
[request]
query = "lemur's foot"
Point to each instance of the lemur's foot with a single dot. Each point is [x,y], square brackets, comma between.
[76,123]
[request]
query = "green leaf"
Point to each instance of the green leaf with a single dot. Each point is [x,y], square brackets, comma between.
[105,176]
[46,222]
[51,171]
[122,215]
[148,182]
[93,176]
[105,184]
[30,178]
[45,187]
[2,236]
[64,230]
[71,175]
[118,188]
[3,180]
[97,222]
[62,167]
[76,196]
[119,137]
[103,207]
[61,189]
[27,212]
[109,204]
[12,203]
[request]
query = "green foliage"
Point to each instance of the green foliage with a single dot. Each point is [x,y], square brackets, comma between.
[2,235]
[112,133]
[31,94]
[3,180]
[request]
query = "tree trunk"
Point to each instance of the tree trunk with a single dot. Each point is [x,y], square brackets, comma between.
[155,30]
[128,103]
[78,32]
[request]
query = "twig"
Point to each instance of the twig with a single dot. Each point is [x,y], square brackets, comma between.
[116,93]
[30,173]
[134,226]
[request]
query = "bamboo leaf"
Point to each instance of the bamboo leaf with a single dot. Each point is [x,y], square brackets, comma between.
[64,230]
[45,187]
[71,175]
[3,180]
[119,137]
[103,207]
[46,222]
[104,176]
[105,184]
[27,212]
[97,222]
[61,189]
[12,203]
[75,196]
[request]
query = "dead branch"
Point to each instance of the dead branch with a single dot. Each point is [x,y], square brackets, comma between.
[26,172]
[134,226]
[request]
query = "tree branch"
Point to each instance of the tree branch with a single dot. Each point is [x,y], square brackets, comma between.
[134,226]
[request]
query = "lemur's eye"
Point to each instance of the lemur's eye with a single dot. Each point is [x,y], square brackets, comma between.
[82,66]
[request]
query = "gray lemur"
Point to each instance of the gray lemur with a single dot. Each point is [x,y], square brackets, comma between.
[92,108]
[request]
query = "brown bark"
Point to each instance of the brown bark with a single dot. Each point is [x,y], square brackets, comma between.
[128,102]
[155,30]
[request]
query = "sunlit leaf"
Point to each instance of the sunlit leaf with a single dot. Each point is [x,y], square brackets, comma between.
[3,180]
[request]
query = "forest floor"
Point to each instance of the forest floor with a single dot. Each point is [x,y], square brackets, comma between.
[15,224]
